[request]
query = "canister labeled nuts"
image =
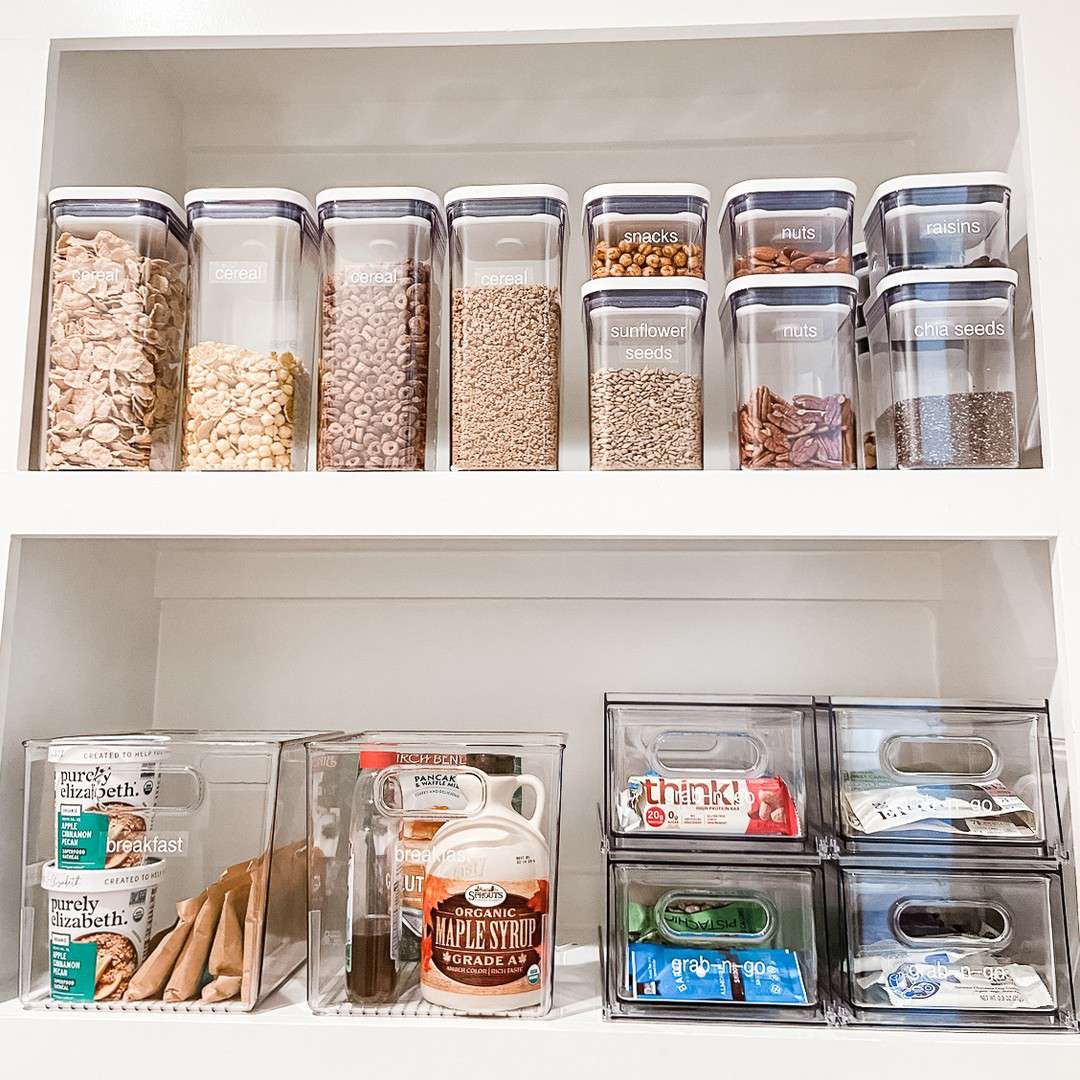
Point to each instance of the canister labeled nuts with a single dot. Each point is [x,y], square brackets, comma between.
[381,252]
[114,334]
[645,341]
[792,341]
[99,923]
[104,795]
[646,230]
[506,325]
[788,226]
[247,377]
[938,221]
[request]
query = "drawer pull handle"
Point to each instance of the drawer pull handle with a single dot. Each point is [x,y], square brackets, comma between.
[940,759]
[922,923]
[736,753]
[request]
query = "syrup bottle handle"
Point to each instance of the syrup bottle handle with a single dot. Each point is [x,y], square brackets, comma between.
[527,780]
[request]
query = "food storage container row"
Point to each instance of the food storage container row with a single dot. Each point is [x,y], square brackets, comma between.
[163,870]
[812,777]
[905,945]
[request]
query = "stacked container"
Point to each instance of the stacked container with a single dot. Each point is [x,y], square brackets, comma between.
[382,252]
[162,870]
[644,315]
[433,873]
[950,853]
[117,285]
[716,883]
[506,263]
[251,329]
[941,322]
[865,392]
[788,318]
[836,861]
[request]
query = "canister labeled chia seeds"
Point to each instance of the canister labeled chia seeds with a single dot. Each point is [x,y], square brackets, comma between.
[99,923]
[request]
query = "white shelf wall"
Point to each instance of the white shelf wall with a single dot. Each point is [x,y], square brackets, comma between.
[1004,615]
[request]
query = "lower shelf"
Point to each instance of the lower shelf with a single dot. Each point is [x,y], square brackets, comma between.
[286,1039]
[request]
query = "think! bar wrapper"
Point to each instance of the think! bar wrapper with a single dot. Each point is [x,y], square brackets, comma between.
[761,806]
[748,976]
[875,804]
[953,979]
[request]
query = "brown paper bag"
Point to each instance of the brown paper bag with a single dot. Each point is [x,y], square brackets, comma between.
[151,977]
[227,951]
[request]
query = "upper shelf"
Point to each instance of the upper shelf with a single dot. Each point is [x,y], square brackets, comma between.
[661,505]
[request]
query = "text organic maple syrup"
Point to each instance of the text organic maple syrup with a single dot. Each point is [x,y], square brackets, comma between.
[486,906]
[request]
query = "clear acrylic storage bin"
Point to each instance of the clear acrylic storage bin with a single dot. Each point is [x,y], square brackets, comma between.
[711,774]
[712,942]
[251,331]
[433,867]
[646,230]
[162,870]
[114,329]
[945,779]
[382,252]
[646,342]
[791,339]
[788,226]
[943,342]
[944,220]
[506,263]
[936,946]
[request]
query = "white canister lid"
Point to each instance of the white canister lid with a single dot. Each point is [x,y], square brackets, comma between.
[779,185]
[922,181]
[250,195]
[506,191]
[117,194]
[791,281]
[641,284]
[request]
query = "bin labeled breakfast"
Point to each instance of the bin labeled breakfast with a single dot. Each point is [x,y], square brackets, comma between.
[944,339]
[439,890]
[792,342]
[646,230]
[711,939]
[936,939]
[506,257]
[645,341]
[117,289]
[99,924]
[105,793]
[724,773]
[942,220]
[381,257]
[922,774]
[251,330]
[787,226]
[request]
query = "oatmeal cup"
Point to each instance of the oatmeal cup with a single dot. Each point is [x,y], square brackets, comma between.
[105,793]
[99,923]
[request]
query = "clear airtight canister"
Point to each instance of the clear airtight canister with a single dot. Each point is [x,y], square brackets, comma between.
[114,329]
[792,341]
[506,257]
[251,329]
[645,340]
[381,252]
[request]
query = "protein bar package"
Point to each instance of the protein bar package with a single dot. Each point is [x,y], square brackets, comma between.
[761,806]
[751,976]
[874,803]
[689,919]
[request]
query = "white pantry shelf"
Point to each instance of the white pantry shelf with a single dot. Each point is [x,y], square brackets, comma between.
[283,1038]
[705,505]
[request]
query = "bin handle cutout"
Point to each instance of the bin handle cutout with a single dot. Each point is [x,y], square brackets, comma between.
[198,794]
[708,898]
[703,744]
[892,748]
[911,907]
[472,783]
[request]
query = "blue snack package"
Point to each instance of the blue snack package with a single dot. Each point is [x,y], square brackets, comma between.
[752,976]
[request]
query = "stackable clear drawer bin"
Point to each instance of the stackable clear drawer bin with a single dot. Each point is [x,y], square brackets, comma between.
[163,870]
[433,870]
[965,948]
[736,942]
[945,780]
[712,774]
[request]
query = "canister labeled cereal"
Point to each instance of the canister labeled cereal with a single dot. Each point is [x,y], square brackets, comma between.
[486,930]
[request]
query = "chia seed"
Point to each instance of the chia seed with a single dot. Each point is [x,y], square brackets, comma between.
[958,431]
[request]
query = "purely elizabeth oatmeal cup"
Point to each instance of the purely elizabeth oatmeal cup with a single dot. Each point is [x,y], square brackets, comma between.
[105,793]
[99,923]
